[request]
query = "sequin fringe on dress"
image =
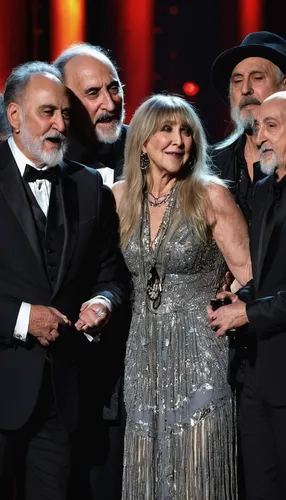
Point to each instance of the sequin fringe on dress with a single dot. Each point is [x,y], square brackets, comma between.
[180,433]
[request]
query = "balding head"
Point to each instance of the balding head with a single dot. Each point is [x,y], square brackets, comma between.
[91,75]
[271,133]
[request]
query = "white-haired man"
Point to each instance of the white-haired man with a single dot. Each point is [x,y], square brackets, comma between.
[97,130]
[261,305]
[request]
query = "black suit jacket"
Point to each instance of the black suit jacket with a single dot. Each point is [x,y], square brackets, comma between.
[90,264]
[86,150]
[265,296]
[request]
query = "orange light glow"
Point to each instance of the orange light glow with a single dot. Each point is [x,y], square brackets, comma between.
[191,89]
[250,16]
[136,50]
[67,24]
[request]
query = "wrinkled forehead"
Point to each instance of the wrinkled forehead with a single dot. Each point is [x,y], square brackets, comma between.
[90,71]
[272,109]
[253,64]
[43,90]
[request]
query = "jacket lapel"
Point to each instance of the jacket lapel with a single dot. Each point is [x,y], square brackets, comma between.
[12,188]
[69,203]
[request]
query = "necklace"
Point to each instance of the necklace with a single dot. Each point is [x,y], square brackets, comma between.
[154,285]
[160,200]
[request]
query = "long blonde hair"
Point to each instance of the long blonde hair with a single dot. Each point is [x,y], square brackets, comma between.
[191,189]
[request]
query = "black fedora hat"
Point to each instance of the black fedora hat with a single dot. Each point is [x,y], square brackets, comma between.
[258,44]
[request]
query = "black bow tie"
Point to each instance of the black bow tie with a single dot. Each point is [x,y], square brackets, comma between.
[32,174]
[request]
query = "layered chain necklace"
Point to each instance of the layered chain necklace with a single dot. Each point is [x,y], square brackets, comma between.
[160,200]
[154,283]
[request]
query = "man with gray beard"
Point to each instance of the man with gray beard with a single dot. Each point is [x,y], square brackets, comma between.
[96,139]
[97,132]
[243,77]
[61,276]
[261,306]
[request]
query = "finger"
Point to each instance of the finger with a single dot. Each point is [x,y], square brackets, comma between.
[44,342]
[84,306]
[79,325]
[91,318]
[62,318]
[220,332]
[55,333]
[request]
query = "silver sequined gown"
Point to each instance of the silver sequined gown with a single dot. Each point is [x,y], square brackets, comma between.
[180,433]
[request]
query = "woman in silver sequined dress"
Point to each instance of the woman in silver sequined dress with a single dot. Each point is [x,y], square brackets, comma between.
[177,222]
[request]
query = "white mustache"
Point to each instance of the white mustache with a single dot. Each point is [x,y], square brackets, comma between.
[54,135]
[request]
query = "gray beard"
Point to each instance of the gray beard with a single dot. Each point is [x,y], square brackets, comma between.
[35,147]
[111,134]
[246,123]
[268,167]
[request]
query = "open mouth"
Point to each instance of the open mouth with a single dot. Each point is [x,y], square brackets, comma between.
[54,140]
[107,119]
[265,151]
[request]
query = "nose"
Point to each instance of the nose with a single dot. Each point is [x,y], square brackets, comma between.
[246,87]
[177,138]
[107,102]
[59,122]
[260,138]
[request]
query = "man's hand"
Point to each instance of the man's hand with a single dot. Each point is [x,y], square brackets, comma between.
[227,317]
[44,323]
[92,317]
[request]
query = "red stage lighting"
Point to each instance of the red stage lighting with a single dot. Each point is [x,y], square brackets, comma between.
[191,89]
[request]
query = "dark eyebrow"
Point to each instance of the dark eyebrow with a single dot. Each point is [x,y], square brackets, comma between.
[114,83]
[92,89]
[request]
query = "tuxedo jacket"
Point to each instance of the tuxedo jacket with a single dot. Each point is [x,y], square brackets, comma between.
[90,263]
[265,295]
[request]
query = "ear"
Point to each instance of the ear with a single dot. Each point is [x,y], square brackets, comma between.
[13,115]
[284,83]
[144,147]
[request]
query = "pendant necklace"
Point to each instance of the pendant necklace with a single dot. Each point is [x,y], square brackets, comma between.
[154,283]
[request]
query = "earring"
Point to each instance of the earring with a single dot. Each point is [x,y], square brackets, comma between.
[144,161]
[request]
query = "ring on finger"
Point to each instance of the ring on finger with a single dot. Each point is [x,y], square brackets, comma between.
[99,312]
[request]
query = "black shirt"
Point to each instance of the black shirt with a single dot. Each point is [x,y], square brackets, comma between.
[230,165]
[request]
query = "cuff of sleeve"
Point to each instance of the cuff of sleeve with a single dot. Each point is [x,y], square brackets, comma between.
[22,323]
[99,299]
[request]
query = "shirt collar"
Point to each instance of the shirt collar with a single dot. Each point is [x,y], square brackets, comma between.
[20,158]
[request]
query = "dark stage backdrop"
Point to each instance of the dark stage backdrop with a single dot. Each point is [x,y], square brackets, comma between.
[158,44]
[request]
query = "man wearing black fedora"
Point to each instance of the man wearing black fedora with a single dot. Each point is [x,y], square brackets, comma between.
[243,76]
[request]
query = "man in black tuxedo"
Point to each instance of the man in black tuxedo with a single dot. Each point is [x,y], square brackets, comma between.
[58,251]
[261,304]
[97,133]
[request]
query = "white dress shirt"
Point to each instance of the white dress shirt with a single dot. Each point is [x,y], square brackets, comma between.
[41,189]
[107,175]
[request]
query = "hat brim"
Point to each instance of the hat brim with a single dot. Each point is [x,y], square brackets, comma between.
[225,63]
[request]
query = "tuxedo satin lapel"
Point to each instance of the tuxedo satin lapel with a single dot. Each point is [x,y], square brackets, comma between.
[69,201]
[12,188]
